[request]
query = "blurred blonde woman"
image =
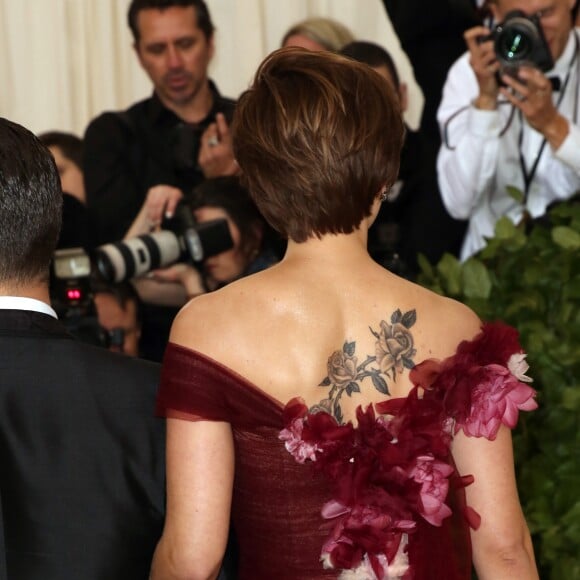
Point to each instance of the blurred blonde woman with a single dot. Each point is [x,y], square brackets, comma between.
[318,34]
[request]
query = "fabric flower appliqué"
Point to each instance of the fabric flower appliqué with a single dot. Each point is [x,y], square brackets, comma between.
[497,399]
[295,445]
[395,469]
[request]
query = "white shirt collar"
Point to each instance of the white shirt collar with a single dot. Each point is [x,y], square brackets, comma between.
[20,303]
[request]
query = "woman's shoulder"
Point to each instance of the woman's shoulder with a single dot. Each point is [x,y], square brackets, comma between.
[209,320]
[445,322]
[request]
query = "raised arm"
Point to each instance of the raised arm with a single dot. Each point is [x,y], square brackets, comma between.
[174,285]
[470,125]
[502,547]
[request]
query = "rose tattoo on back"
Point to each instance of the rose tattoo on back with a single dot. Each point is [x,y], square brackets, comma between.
[394,352]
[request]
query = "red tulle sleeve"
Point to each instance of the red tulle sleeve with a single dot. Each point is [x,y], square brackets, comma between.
[189,388]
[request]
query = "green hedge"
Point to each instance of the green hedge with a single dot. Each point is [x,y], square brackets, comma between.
[530,278]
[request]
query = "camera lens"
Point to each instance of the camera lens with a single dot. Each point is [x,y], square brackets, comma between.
[517,39]
[515,45]
[132,258]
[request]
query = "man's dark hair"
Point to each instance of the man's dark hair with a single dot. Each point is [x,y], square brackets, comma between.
[30,206]
[201,10]
[373,55]
[70,145]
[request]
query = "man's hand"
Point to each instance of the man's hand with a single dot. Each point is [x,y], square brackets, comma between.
[216,155]
[160,202]
[485,65]
[531,93]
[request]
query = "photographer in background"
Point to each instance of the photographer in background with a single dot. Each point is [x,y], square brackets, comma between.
[175,139]
[507,122]
[119,314]
[67,151]
[250,246]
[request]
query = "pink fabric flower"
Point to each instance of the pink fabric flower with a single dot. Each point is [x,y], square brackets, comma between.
[433,477]
[497,398]
[300,449]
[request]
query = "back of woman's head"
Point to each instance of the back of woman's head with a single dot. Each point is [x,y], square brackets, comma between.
[317,137]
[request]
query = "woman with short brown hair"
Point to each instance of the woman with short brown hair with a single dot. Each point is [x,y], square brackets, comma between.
[315,158]
[353,424]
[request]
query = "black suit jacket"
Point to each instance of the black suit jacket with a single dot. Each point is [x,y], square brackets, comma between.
[81,456]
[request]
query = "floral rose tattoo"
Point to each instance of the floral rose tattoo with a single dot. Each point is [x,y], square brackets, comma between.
[394,352]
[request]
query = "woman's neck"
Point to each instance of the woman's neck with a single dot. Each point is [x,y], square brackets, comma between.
[330,248]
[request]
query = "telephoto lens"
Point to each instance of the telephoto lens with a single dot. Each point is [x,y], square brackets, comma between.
[134,257]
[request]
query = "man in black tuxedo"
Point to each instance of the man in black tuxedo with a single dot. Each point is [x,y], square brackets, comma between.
[81,453]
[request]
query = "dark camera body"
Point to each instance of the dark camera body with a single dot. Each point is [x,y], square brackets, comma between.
[71,295]
[519,41]
[181,239]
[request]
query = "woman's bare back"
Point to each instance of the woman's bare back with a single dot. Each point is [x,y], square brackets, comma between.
[337,338]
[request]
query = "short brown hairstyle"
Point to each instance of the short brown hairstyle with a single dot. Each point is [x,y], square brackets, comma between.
[317,137]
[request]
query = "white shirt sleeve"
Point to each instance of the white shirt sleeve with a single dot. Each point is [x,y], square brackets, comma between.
[569,151]
[467,159]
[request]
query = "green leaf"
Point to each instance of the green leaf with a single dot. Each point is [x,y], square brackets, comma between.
[425,266]
[515,193]
[450,270]
[476,280]
[505,229]
[566,238]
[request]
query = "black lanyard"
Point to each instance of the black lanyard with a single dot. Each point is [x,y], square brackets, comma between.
[529,175]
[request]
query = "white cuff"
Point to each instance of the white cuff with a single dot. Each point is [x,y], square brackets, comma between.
[483,123]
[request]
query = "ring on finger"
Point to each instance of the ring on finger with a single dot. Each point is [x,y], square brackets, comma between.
[213,141]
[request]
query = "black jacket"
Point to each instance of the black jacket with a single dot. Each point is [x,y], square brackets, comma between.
[126,153]
[81,455]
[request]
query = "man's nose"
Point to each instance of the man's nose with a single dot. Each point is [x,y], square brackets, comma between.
[174,59]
